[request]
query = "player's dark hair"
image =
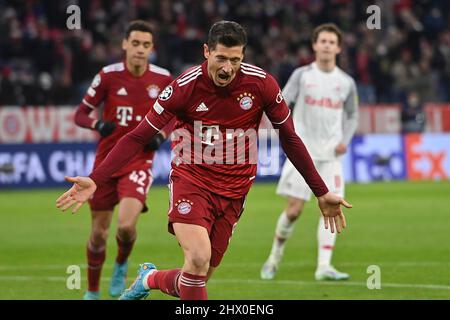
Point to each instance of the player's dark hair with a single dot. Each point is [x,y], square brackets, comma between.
[328,27]
[138,25]
[227,33]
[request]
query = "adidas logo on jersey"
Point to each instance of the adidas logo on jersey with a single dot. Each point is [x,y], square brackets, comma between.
[202,107]
[122,92]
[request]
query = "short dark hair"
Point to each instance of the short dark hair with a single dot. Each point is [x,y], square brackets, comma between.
[227,33]
[138,25]
[328,27]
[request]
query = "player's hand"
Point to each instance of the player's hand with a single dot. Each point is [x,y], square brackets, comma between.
[340,149]
[156,141]
[105,128]
[83,188]
[330,205]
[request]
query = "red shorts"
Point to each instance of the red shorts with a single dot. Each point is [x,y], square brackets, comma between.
[193,205]
[131,185]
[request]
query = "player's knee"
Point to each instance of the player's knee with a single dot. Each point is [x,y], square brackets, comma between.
[126,231]
[294,209]
[199,260]
[99,237]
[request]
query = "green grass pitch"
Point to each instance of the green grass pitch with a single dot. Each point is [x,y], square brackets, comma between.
[402,227]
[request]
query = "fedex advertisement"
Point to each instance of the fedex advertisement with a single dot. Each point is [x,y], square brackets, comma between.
[427,156]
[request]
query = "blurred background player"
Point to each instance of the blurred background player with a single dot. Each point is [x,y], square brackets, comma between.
[207,199]
[127,89]
[325,113]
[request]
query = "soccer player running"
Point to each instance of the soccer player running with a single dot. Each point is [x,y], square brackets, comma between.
[210,101]
[325,104]
[127,90]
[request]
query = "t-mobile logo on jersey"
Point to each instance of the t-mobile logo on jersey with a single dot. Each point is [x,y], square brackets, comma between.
[124,115]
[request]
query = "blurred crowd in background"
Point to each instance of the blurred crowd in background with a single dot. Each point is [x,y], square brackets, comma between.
[406,61]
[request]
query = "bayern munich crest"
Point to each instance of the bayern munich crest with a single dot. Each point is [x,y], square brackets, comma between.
[245,100]
[153,91]
[184,206]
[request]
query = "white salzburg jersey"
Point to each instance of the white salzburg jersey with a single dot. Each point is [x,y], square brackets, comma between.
[325,108]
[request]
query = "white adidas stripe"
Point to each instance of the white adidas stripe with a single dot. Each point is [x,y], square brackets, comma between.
[189,73]
[185,78]
[250,66]
[158,69]
[183,280]
[253,73]
[253,70]
[193,77]
[193,281]
[192,285]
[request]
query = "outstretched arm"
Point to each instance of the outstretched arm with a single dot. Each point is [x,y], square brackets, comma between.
[123,151]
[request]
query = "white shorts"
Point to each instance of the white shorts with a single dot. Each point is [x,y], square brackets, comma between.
[292,184]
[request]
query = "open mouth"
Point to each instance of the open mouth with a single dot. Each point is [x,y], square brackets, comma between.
[223,77]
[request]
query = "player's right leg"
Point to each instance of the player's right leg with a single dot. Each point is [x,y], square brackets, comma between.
[196,245]
[189,283]
[96,251]
[189,220]
[332,173]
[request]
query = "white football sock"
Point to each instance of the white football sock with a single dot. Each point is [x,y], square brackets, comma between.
[283,231]
[326,241]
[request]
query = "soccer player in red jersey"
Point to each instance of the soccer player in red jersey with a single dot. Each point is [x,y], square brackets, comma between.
[127,90]
[215,104]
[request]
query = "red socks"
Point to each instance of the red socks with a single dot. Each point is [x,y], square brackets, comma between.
[166,281]
[192,287]
[95,259]
[124,250]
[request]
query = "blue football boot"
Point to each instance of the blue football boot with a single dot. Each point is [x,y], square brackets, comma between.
[118,279]
[137,291]
[91,295]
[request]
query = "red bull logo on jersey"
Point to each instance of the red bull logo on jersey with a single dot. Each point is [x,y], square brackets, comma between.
[245,100]
[323,102]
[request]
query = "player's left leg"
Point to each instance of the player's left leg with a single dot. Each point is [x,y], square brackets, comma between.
[129,212]
[332,173]
[132,194]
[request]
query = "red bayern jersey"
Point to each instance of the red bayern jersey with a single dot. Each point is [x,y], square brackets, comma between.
[215,116]
[126,100]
